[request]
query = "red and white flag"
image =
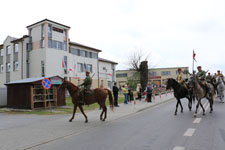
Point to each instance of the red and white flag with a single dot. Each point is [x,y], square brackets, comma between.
[62,64]
[194,55]
[71,69]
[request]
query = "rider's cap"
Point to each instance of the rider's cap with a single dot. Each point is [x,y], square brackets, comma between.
[218,70]
[199,67]
[87,72]
[179,69]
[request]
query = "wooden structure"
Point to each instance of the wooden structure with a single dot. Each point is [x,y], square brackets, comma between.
[29,94]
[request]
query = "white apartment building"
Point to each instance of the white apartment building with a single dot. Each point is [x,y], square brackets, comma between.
[47,51]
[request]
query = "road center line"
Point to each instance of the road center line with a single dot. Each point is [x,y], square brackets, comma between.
[197,120]
[178,148]
[189,132]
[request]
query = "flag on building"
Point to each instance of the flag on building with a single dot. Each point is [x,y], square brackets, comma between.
[110,74]
[62,64]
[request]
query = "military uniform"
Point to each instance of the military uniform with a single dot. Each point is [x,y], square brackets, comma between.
[87,86]
[180,78]
[201,75]
[209,78]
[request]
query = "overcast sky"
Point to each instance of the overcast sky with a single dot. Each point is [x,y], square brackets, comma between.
[167,29]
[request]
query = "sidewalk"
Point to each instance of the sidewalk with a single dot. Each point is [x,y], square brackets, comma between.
[19,132]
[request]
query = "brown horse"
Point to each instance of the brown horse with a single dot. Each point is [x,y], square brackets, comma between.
[99,96]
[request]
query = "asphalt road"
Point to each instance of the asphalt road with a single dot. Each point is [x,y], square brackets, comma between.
[152,129]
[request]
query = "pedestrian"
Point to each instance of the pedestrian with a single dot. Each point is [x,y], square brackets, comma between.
[125,92]
[128,97]
[115,94]
[149,90]
[138,90]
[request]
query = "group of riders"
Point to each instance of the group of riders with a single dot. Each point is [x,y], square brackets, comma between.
[203,79]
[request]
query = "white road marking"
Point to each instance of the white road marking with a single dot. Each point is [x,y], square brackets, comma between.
[189,132]
[178,148]
[197,120]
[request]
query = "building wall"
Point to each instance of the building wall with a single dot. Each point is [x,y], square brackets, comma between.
[106,74]
[157,77]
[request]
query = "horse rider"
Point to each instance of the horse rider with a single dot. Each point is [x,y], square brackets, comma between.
[86,87]
[220,75]
[180,78]
[209,78]
[201,76]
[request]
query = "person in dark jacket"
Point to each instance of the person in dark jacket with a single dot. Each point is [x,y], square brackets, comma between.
[115,94]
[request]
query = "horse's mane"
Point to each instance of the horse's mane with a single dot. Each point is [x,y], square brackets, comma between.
[71,84]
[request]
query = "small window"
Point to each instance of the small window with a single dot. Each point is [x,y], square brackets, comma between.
[1,68]
[79,67]
[49,43]
[16,48]
[49,31]
[42,68]
[90,54]
[1,52]
[8,49]
[64,46]
[16,65]
[8,67]
[89,68]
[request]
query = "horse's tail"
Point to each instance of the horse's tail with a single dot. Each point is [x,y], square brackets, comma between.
[111,101]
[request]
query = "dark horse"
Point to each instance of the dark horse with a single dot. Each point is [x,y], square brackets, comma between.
[99,96]
[200,92]
[179,92]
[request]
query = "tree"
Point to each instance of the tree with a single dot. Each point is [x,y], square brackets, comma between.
[139,63]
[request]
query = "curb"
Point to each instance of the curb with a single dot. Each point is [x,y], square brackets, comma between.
[162,102]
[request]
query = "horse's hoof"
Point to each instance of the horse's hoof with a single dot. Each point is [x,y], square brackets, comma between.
[86,121]
[103,119]
[203,114]
[175,114]
[70,120]
[181,111]
[195,115]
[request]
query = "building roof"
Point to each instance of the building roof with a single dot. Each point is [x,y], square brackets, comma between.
[28,80]
[20,39]
[1,46]
[47,20]
[106,60]
[81,45]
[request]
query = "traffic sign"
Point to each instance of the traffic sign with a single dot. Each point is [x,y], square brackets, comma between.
[46,83]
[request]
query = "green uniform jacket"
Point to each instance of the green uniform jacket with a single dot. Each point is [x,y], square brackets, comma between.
[87,82]
[201,75]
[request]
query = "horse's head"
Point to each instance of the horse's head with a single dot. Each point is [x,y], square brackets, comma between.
[63,86]
[169,83]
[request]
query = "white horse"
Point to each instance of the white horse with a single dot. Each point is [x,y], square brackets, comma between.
[220,88]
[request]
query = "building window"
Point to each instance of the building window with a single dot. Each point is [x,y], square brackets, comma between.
[82,53]
[121,75]
[95,55]
[8,67]
[8,49]
[163,73]
[89,68]
[151,73]
[65,64]
[1,52]
[42,68]
[90,54]
[15,65]
[1,68]
[42,31]
[79,67]
[49,43]
[16,48]
[86,53]
[64,46]
[78,82]
[49,31]
[42,45]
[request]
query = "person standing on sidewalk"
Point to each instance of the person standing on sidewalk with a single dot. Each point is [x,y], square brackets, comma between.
[115,94]
[125,92]
[149,92]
